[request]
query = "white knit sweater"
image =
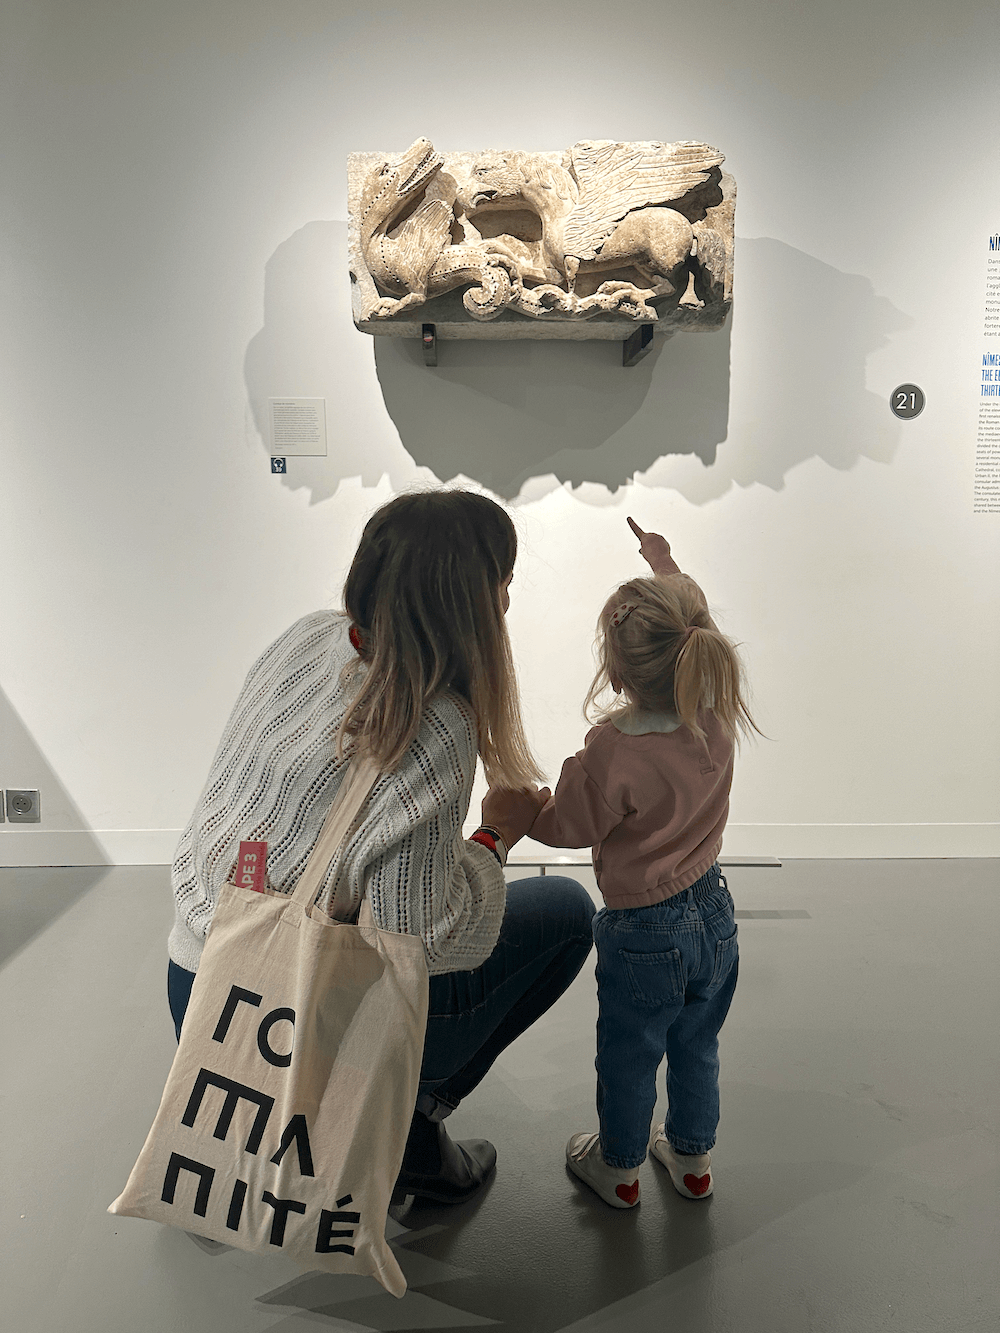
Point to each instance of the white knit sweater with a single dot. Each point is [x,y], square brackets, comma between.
[275,775]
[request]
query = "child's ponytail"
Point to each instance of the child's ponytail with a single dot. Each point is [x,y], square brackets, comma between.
[708,674]
[658,644]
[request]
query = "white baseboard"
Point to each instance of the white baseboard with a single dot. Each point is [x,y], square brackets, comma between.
[143,847]
[87,847]
[862,842]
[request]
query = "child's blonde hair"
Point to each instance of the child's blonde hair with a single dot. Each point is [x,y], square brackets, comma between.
[667,654]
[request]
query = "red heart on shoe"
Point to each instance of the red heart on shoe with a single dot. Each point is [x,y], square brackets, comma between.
[629,1193]
[697,1184]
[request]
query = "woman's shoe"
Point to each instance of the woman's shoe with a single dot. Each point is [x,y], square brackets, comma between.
[435,1167]
[617,1187]
[692,1176]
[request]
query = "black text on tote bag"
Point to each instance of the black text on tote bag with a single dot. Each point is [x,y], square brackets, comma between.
[285,1114]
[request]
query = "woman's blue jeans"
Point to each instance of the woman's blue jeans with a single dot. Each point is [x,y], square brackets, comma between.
[665,980]
[473,1016]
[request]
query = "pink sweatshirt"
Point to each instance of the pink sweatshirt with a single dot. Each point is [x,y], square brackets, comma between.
[649,799]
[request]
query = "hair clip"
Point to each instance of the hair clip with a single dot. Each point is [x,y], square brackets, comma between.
[622,612]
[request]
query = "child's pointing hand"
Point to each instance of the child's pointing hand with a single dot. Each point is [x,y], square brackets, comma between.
[655,550]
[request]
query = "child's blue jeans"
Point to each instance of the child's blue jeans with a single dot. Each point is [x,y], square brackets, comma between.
[665,979]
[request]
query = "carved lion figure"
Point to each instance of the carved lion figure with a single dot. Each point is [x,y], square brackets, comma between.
[606,207]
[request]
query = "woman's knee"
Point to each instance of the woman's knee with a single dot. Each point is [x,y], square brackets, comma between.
[547,912]
[572,901]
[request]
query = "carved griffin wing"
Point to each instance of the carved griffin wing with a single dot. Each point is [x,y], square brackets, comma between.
[615,178]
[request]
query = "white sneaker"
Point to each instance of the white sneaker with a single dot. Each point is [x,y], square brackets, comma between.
[692,1176]
[583,1157]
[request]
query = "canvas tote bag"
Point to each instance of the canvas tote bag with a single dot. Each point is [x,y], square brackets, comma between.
[286,1110]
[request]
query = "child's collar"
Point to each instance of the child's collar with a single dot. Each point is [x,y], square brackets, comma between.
[638,723]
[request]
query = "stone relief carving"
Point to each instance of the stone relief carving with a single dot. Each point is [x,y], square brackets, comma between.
[584,243]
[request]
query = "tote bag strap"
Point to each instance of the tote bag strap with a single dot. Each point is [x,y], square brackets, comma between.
[361,776]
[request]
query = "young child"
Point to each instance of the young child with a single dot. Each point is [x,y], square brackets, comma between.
[650,793]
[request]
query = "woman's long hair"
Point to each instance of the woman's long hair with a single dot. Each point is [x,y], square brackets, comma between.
[667,655]
[424,591]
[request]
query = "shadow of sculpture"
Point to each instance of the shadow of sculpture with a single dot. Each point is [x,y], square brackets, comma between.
[507,412]
[308,347]
[524,417]
[803,334]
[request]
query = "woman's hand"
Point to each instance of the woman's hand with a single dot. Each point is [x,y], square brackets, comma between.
[512,813]
[655,550]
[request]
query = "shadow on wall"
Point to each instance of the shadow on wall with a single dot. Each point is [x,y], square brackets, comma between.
[309,348]
[803,335]
[506,413]
[24,911]
[524,417]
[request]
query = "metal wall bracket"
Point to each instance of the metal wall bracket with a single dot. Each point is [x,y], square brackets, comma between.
[636,345]
[634,348]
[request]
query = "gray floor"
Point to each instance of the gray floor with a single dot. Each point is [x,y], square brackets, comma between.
[856,1169]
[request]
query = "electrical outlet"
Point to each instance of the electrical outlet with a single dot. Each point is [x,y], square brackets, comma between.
[23,807]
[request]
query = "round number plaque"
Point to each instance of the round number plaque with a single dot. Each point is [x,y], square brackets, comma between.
[906,401]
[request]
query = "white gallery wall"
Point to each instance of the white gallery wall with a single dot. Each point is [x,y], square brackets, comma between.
[174,255]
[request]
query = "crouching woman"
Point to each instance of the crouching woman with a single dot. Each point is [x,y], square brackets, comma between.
[417,673]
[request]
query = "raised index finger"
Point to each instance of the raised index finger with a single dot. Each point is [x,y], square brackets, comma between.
[635,528]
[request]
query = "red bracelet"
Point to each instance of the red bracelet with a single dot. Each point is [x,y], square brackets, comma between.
[486,840]
[496,838]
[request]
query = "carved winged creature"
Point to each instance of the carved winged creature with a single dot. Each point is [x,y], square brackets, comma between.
[605,207]
[409,252]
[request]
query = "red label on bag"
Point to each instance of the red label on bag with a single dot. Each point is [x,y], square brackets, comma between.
[251,866]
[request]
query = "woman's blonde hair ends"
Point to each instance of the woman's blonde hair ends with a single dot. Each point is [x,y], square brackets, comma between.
[668,655]
[424,590]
